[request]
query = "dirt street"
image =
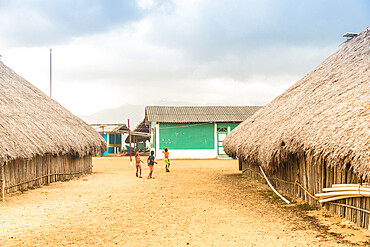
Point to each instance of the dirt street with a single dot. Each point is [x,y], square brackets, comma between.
[199,203]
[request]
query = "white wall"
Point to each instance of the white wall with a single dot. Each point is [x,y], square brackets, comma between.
[189,154]
[157,137]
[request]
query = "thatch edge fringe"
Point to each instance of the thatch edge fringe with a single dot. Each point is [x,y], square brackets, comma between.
[239,143]
[34,124]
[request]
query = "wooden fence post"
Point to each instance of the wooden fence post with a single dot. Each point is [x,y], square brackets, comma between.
[2,185]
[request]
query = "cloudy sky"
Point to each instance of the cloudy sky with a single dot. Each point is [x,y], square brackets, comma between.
[112,54]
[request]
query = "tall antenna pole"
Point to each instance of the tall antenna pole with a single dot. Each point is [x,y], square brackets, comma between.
[50,74]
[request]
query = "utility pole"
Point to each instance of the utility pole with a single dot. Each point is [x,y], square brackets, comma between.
[50,73]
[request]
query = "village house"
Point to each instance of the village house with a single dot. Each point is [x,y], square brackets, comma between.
[112,134]
[193,131]
[41,142]
[140,137]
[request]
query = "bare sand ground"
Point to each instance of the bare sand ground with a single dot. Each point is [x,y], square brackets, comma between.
[199,203]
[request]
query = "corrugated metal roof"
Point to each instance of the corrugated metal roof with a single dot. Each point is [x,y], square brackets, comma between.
[108,128]
[198,114]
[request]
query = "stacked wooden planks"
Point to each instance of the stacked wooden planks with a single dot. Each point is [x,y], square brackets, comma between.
[343,191]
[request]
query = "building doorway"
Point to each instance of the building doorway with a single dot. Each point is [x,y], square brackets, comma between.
[221,134]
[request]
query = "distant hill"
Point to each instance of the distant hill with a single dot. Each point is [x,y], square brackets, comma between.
[118,115]
[135,113]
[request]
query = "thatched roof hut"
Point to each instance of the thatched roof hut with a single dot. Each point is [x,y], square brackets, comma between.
[325,114]
[140,128]
[32,124]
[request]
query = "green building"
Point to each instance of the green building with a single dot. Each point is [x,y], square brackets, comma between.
[193,131]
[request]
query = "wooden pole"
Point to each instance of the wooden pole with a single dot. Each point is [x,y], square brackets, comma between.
[129,137]
[2,183]
[277,193]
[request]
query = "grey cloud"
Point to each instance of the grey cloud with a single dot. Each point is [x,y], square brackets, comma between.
[43,22]
[238,27]
[236,39]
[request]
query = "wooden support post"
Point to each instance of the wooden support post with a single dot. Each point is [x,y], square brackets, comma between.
[129,137]
[2,176]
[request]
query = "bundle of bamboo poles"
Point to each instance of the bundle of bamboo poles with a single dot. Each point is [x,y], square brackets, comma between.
[343,191]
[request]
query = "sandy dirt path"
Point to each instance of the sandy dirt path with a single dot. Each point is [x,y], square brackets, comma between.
[199,203]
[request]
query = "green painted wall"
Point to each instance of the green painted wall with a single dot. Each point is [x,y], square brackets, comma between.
[187,136]
[232,125]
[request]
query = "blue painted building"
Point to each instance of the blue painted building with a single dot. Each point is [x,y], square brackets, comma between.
[112,133]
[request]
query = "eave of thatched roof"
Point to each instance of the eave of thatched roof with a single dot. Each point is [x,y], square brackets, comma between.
[33,124]
[325,114]
[140,128]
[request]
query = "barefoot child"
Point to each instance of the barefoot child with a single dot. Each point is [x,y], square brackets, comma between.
[138,164]
[166,159]
[151,162]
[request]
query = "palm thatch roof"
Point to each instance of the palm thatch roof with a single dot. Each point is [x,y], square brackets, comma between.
[140,128]
[33,124]
[325,114]
[198,114]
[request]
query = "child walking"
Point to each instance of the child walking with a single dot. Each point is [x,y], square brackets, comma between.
[166,159]
[151,162]
[138,164]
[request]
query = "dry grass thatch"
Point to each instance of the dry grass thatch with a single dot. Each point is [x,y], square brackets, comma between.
[33,124]
[141,127]
[325,114]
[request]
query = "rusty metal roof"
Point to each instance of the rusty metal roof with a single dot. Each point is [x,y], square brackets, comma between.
[198,114]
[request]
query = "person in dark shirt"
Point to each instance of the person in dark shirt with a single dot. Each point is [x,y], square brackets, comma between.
[151,162]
